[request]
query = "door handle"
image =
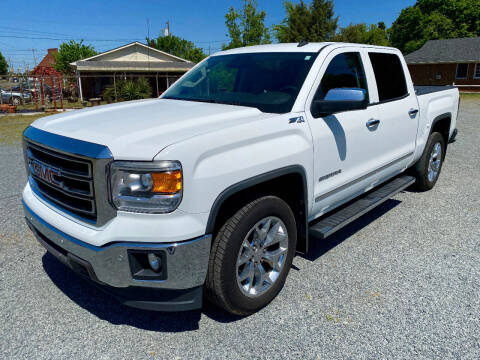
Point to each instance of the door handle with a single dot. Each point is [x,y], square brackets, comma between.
[372,123]
[413,112]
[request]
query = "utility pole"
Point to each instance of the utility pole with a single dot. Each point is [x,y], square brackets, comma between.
[168,27]
[34,59]
[148,37]
[11,68]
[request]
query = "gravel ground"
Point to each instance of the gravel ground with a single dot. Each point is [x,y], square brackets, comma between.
[401,282]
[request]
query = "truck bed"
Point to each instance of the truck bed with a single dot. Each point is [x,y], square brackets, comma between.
[423,90]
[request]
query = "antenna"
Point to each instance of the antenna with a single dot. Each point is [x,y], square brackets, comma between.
[302,43]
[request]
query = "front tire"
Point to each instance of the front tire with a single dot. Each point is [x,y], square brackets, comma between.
[251,256]
[428,167]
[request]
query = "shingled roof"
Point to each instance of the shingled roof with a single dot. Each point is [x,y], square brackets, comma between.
[463,50]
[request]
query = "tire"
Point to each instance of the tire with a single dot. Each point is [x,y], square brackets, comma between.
[16,101]
[424,169]
[233,242]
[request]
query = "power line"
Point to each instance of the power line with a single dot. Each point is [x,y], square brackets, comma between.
[31,31]
[66,39]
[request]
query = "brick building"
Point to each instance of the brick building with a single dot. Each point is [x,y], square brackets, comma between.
[447,62]
[45,69]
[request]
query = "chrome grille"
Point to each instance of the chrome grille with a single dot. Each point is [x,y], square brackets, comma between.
[65,180]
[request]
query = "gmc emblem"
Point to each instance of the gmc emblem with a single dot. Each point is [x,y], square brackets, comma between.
[45,173]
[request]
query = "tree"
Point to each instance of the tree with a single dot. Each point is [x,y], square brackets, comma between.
[364,34]
[3,65]
[310,23]
[178,47]
[246,26]
[435,19]
[70,52]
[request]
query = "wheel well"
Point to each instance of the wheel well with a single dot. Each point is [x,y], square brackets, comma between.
[442,126]
[289,187]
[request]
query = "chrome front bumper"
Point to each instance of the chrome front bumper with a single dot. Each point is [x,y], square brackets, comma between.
[186,261]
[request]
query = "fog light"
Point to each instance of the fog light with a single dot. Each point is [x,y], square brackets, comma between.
[154,261]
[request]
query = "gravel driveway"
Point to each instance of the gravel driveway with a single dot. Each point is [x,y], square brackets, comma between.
[401,282]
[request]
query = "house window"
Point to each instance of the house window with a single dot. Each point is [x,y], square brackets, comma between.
[476,75]
[462,71]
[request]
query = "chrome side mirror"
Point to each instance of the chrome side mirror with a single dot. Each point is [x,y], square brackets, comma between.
[340,100]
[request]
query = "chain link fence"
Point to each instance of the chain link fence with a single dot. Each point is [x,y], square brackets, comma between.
[26,93]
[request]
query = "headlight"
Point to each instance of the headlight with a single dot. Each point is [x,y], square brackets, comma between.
[146,187]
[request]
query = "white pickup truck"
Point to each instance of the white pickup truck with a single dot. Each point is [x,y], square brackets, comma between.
[211,189]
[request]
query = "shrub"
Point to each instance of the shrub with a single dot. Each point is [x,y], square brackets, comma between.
[128,90]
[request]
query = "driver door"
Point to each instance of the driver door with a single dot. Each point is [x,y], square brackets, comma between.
[344,142]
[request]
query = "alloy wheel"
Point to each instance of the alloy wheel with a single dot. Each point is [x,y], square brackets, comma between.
[434,162]
[262,256]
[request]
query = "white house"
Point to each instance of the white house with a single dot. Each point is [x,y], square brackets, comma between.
[129,62]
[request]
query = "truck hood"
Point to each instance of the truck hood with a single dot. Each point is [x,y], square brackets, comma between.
[138,130]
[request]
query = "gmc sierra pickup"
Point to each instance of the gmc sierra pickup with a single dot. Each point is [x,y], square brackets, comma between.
[211,189]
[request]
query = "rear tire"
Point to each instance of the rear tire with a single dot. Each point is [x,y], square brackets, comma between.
[428,167]
[251,256]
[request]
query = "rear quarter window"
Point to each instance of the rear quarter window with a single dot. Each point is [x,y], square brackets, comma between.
[389,75]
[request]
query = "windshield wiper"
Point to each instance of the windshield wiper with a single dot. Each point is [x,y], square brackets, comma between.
[213,101]
[189,99]
[173,98]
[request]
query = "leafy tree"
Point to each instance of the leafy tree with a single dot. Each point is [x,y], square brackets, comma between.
[364,34]
[3,65]
[246,26]
[177,46]
[315,22]
[435,19]
[70,52]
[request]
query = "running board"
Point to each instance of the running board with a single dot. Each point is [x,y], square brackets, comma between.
[340,218]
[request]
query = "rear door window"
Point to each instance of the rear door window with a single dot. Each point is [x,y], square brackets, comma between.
[389,75]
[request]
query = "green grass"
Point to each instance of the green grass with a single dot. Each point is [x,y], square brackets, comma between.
[473,96]
[12,126]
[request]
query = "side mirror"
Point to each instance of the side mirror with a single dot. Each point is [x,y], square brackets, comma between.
[339,100]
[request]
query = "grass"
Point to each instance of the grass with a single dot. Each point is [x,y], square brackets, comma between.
[12,126]
[66,105]
[472,96]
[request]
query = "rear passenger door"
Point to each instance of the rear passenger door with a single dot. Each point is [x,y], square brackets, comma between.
[396,108]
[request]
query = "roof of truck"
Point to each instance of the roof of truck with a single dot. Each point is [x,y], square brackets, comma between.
[289,47]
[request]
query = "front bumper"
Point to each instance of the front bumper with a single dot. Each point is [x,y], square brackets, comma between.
[109,266]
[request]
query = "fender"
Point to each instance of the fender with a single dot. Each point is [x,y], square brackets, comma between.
[302,244]
[439,118]
[447,115]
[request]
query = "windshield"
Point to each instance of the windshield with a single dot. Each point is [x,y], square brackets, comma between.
[267,81]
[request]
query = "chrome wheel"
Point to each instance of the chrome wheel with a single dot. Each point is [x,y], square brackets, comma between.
[434,162]
[262,256]
[16,101]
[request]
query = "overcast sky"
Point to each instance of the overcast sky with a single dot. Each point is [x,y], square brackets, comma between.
[30,24]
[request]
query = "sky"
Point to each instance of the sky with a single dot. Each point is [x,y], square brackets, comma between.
[39,25]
